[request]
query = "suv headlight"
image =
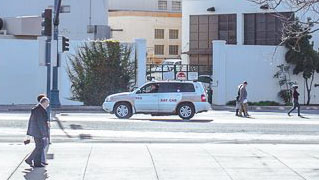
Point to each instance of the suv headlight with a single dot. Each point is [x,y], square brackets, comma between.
[108,99]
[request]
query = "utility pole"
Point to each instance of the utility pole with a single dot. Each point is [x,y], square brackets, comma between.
[47,31]
[55,98]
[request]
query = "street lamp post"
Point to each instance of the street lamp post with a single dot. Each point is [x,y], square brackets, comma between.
[55,99]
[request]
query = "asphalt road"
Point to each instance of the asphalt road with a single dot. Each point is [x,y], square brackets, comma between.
[213,126]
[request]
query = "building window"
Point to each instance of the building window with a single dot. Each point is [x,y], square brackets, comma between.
[173,50]
[206,28]
[173,34]
[176,5]
[264,29]
[159,33]
[159,50]
[227,28]
[162,5]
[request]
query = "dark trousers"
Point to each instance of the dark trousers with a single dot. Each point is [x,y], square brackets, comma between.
[295,105]
[36,154]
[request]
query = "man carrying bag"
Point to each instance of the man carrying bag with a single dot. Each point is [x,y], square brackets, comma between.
[39,130]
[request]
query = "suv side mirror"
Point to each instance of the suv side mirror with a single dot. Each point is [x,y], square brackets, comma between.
[138,91]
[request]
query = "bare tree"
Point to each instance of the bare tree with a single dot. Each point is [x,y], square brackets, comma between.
[301,12]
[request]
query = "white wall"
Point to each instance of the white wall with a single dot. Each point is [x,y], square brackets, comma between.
[138,5]
[21,77]
[72,25]
[239,7]
[234,64]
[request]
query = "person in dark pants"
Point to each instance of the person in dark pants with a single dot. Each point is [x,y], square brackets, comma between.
[38,129]
[45,140]
[296,104]
[243,100]
[237,100]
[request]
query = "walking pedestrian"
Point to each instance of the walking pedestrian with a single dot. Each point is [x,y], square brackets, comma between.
[40,96]
[46,139]
[295,97]
[237,100]
[39,130]
[243,100]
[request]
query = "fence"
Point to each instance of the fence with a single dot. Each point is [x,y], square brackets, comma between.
[177,72]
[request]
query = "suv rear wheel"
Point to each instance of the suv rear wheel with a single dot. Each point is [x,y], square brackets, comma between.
[123,110]
[186,111]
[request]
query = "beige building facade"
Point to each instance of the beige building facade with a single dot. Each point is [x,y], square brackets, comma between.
[159,25]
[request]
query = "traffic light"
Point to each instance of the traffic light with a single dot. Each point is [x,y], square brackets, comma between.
[47,22]
[65,44]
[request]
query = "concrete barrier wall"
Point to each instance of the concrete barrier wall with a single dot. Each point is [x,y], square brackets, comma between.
[233,64]
[21,77]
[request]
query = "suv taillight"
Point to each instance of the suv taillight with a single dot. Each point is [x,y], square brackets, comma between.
[203,98]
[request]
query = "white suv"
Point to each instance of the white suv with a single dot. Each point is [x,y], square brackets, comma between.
[184,98]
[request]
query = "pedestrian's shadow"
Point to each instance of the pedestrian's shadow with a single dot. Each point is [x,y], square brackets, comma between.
[35,174]
[303,117]
[57,120]
[248,117]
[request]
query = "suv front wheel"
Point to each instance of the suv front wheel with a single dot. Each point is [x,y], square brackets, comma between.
[123,110]
[186,111]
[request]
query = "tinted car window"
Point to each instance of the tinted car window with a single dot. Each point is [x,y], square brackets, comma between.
[150,88]
[176,87]
[164,88]
[187,87]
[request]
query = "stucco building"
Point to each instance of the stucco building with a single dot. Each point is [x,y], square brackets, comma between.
[240,40]
[79,19]
[157,21]
[21,76]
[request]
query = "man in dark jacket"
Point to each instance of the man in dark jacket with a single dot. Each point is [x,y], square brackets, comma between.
[295,96]
[243,100]
[38,129]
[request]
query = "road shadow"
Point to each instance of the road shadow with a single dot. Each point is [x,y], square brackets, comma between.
[75,126]
[85,136]
[35,174]
[175,120]
[303,117]
[57,120]
[249,117]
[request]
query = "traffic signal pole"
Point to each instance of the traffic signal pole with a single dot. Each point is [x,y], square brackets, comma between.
[47,31]
[55,97]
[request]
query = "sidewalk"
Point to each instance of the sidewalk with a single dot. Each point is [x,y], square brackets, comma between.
[98,109]
[166,162]
[27,108]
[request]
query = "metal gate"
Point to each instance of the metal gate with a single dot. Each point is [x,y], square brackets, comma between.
[177,72]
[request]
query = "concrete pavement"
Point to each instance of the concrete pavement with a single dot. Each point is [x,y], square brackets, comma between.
[81,161]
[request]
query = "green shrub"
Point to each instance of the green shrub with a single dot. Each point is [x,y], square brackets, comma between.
[264,103]
[260,103]
[231,103]
[98,69]
[285,95]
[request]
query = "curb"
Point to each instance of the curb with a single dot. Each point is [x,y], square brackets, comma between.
[62,109]
[265,108]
